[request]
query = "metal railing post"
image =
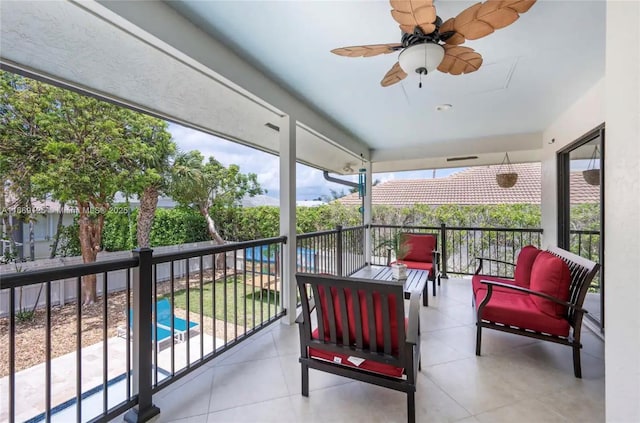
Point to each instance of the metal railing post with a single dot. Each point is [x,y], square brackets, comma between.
[339,250]
[443,255]
[142,341]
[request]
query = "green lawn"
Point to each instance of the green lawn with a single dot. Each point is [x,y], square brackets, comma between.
[241,300]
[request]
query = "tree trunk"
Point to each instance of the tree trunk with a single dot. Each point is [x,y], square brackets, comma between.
[32,240]
[56,238]
[90,234]
[221,261]
[6,220]
[146,214]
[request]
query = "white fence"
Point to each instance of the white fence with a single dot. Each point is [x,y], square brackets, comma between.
[64,291]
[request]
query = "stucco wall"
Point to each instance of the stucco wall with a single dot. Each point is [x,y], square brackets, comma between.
[622,212]
[583,116]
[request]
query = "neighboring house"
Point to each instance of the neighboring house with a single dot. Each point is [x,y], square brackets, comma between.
[259,200]
[474,185]
[310,203]
[47,212]
[44,227]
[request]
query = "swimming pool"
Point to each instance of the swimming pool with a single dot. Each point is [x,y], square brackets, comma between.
[305,257]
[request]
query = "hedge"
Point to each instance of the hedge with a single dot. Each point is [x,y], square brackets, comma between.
[184,225]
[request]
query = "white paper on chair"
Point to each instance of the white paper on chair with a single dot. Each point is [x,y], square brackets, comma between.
[356,361]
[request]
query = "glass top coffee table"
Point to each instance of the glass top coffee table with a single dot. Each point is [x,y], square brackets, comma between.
[416,279]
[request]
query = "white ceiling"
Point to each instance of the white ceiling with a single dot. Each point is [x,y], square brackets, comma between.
[532,69]
[149,55]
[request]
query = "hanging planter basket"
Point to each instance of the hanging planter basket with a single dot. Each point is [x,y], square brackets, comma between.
[506,180]
[506,177]
[592,174]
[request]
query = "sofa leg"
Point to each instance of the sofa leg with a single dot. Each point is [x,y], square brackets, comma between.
[434,287]
[305,380]
[577,368]
[411,407]
[478,338]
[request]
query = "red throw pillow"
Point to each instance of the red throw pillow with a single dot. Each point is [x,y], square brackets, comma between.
[524,264]
[551,276]
[420,247]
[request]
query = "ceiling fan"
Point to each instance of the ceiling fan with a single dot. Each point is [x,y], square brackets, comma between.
[428,44]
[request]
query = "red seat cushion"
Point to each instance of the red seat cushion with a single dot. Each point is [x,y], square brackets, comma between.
[520,311]
[477,285]
[369,365]
[526,257]
[420,247]
[419,265]
[551,276]
[364,315]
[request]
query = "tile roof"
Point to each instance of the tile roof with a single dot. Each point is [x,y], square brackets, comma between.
[474,185]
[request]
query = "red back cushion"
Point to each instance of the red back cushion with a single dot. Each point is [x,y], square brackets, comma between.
[551,276]
[420,247]
[524,264]
[364,318]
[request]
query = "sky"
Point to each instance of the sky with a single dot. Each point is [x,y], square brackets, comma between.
[310,183]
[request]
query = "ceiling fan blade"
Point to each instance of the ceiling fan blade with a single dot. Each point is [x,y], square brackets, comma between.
[367,51]
[396,74]
[453,38]
[482,19]
[412,13]
[458,60]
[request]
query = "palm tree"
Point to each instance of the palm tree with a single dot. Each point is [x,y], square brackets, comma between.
[155,170]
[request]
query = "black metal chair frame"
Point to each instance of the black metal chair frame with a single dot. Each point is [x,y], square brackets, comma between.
[582,273]
[434,276]
[407,355]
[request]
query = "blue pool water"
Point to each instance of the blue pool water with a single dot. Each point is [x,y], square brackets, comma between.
[305,257]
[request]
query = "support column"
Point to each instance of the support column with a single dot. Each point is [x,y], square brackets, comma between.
[621,211]
[288,215]
[368,212]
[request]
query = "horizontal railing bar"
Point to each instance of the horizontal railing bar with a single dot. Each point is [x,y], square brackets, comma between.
[584,232]
[117,410]
[461,228]
[315,234]
[328,232]
[490,229]
[435,228]
[215,249]
[18,279]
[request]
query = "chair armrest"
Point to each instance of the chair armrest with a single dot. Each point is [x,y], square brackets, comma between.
[482,259]
[300,317]
[413,331]
[536,293]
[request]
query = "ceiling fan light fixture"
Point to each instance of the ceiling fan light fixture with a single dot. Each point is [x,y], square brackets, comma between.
[421,58]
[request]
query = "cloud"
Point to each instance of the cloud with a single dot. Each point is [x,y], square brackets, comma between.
[310,183]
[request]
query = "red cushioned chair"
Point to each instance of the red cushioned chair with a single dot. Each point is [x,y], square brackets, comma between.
[361,332]
[550,308]
[420,252]
[521,270]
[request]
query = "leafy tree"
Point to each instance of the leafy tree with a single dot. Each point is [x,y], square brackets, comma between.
[209,185]
[87,156]
[152,171]
[24,109]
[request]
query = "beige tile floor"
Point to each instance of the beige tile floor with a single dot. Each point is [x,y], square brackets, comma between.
[516,379]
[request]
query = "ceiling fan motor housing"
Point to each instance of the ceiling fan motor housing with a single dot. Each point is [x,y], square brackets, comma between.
[421,58]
